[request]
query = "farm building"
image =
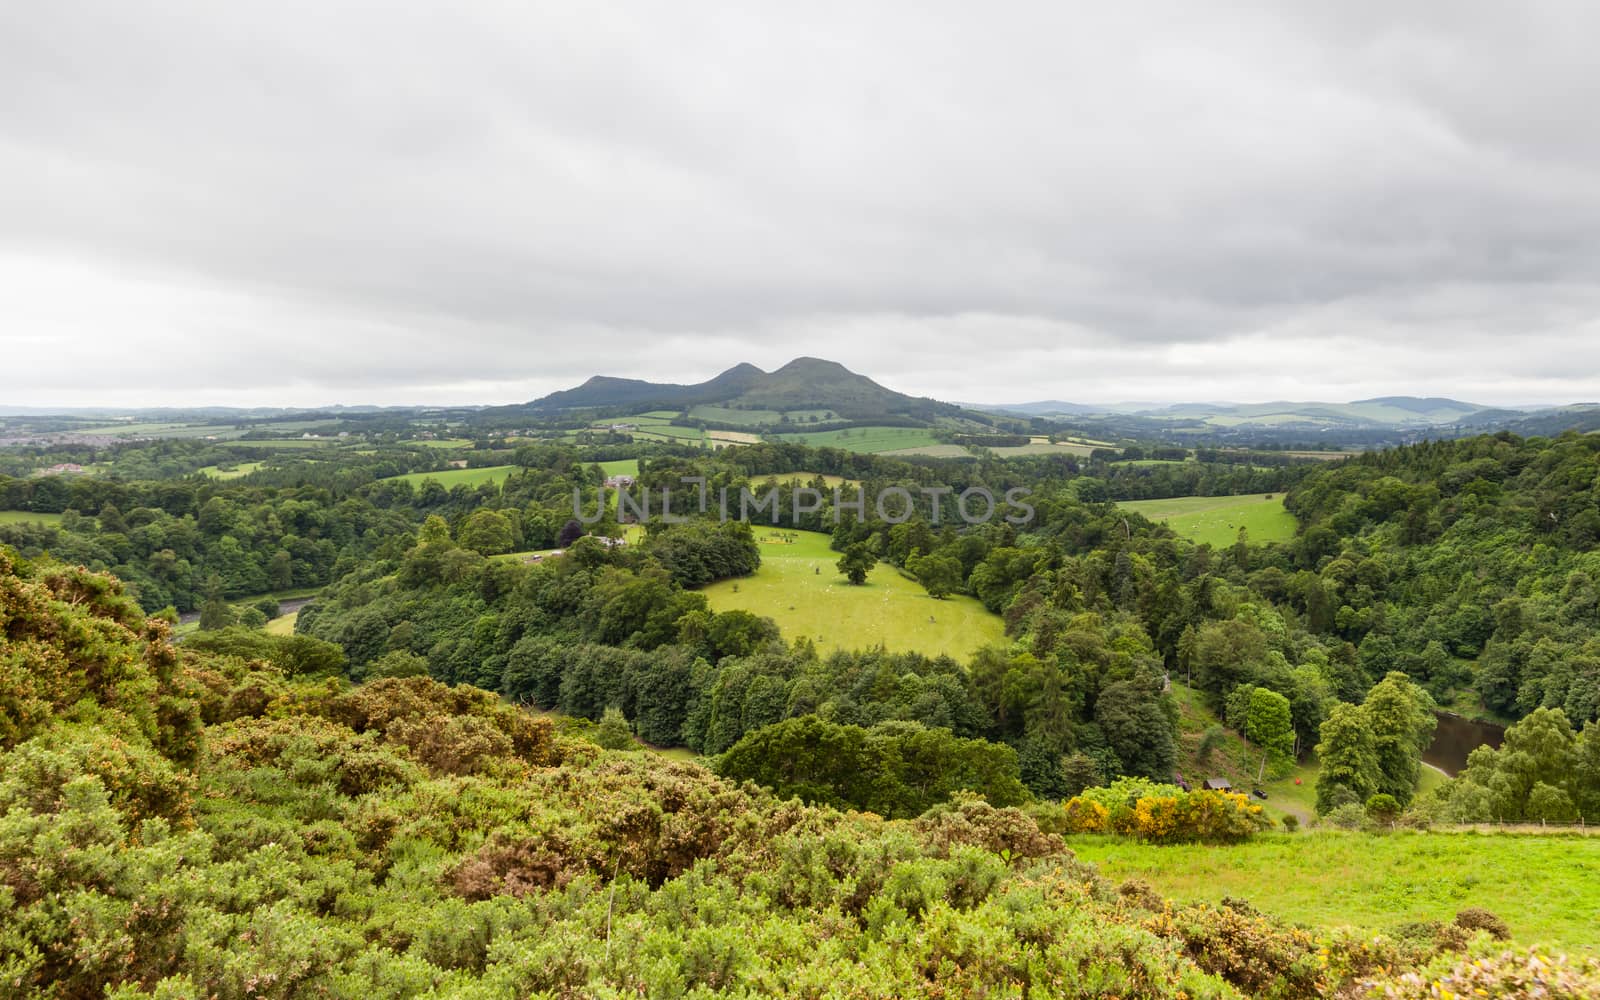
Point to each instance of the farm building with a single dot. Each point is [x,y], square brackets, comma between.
[1218,785]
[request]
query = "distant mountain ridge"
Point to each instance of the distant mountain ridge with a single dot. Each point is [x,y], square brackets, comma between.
[1377,412]
[802,384]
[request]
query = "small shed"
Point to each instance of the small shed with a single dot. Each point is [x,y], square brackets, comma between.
[1218,785]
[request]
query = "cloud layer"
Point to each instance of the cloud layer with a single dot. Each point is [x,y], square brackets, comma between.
[285,203]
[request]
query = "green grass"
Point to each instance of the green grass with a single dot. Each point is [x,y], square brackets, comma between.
[803,478]
[1044,448]
[728,415]
[674,753]
[620,467]
[1546,887]
[27,517]
[286,444]
[451,478]
[237,472]
[799,587]
[283,624]
[868,440]
[931,450]
[1217,520]
[450,444]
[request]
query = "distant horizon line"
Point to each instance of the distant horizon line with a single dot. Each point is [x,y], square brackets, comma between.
[1123,405]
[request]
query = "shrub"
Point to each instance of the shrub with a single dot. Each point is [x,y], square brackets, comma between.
[1382,809]
[1165,815]
[968,820]
[1086,816]
[613,732]
[1136,892]
[1291,823]
[1477,919]
[1509,974]
[1349,816]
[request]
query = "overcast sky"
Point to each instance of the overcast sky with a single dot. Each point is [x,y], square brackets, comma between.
[285,203]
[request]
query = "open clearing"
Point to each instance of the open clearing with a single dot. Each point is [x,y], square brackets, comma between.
[283,444]
[27,517]
[868,440]
[1217,520]
[451,478]
[929,450]
[1546,887]
[799,587]
[804,479]
[237,472]
[1044,447]
[620,467]
[283,624]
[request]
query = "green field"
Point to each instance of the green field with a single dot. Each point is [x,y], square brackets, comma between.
[451,478]
[1217,520]
[27,517]
[621,467]
[1044,448]
[802,478]
[1546,887]
[930,450]
[449,444]
[868,440]
[237,472]
[283,624]
[728,415]
[285,444]
[799,587]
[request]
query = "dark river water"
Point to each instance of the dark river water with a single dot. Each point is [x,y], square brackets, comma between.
[1457,737]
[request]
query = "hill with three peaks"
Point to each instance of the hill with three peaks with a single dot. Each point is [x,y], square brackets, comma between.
[804,384]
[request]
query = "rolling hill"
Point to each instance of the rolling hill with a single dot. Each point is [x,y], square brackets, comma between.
[804,384]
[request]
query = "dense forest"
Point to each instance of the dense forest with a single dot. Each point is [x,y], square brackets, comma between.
[1458,574]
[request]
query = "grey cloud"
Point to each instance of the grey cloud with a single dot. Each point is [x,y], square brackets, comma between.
[502,199]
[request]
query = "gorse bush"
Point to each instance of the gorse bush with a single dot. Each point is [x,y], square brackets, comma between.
[1164,814]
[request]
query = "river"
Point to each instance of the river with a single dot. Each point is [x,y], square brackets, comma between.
[1457,737]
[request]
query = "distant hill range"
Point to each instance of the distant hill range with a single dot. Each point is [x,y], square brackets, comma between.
[1380,413]
[804,384]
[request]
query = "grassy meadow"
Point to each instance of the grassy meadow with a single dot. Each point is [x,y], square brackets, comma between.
[1043,446]
[1217,520]
[1546,887]
[799,587]
[28,517]
[868,440]
[451,478]
[238,471]
[804,478]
